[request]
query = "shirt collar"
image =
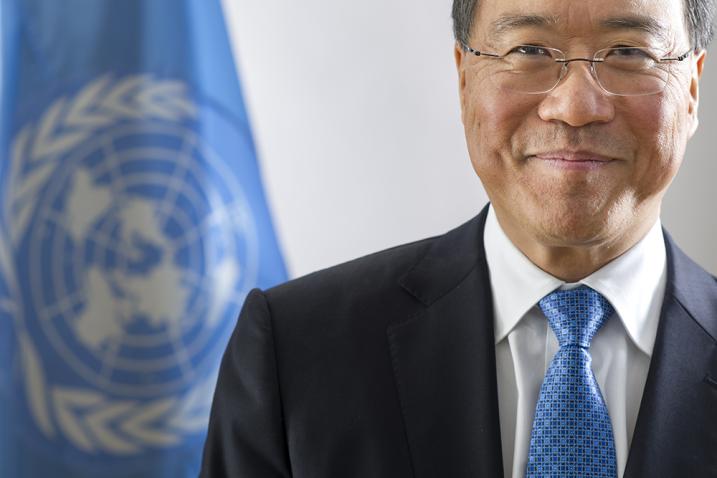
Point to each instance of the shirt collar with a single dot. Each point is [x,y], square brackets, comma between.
[633,283]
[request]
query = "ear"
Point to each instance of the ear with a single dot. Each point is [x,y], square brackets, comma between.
[698,64]
[460,57]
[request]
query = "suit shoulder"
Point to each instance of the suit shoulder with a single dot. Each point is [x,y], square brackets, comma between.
[374,271]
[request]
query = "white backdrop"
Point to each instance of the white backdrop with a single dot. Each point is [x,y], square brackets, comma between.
[355,113]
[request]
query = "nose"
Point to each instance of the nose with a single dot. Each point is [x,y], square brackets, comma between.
[578,100]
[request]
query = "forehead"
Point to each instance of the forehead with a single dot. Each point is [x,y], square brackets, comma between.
[661,19]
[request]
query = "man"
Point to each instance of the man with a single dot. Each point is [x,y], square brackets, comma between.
[558,333]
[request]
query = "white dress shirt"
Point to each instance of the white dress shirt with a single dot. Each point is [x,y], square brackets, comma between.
[634,284]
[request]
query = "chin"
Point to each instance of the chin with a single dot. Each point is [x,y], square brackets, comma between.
[573,237]
[574,227]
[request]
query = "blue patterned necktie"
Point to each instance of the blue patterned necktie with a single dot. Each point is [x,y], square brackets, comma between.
[572,434]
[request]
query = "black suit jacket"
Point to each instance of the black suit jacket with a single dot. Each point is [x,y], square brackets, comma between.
[384,367]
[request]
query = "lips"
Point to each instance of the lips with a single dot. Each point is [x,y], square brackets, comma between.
[573,160]
[573,156]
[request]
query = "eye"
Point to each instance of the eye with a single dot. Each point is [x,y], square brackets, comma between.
[531,51]
[626,52]
[629,59]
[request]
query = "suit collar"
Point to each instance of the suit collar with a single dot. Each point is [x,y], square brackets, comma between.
[693,287]
[448,261]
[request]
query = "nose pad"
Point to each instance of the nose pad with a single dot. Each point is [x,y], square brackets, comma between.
[591,70]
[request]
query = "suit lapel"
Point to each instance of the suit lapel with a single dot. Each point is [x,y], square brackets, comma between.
[444,360]
[675,433]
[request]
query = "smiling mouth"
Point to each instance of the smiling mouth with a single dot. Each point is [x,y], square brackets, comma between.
[573,160]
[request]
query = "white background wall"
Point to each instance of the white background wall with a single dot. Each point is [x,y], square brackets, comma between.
[355,112]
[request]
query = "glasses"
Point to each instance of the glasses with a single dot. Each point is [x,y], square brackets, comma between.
[621,71]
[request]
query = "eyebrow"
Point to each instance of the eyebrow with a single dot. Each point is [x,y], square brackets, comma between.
[637,22]
[512,22]
[630,22]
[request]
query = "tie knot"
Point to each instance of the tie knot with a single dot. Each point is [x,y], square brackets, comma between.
[576,315]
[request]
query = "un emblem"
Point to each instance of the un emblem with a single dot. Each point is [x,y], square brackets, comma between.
[135,246]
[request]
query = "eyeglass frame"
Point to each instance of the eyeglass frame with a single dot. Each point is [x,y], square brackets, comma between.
[565,61]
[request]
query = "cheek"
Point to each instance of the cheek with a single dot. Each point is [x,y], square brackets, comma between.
[661,140]
[491,124]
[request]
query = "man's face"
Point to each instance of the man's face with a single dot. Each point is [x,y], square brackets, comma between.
[577,166]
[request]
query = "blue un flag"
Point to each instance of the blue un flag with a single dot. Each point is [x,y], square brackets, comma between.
[132,225]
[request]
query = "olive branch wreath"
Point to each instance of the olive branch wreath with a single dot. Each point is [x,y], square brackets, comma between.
[91,420]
